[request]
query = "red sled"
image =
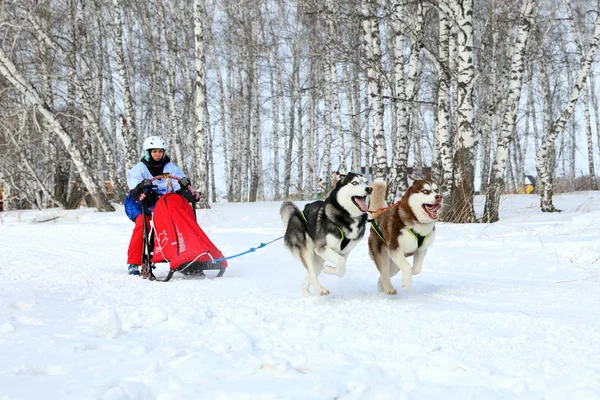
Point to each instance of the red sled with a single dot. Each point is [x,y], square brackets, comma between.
[177,238]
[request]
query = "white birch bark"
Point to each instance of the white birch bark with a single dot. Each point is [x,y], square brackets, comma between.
[373,59]
[544,152]
[301,153]
[589,139]
[354,102]
[410,91]
[333,90]
[312,174]
[399,132]
[516,73]
[291,137]
[461,208]
[327,110]
[130,136]
[586,109]
[255,149]
[595,105]
[83,85]
[10,72]
[443,141]
[169,80]
[275,85]
[222,100]
[200,105]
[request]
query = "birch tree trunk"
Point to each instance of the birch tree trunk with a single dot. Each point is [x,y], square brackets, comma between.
[586,108]
[166,44]
[397,178]
[275,86]
[130,136]
[200,104]
[589,139]
[373,60]
[544,151]
[596,110]
[410,94]
[327,110]
[461,207]
[354,102]
[253,90]
[333,90]
[12,75]
[443,141]
[223,127]
[517,70]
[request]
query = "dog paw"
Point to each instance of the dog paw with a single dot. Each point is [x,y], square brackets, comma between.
[416,270]
[324,292]
[406,285]
[391,292]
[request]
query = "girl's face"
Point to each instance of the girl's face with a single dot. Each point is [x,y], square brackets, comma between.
[157,154]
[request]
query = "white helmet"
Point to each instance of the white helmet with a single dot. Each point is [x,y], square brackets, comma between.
[154,142]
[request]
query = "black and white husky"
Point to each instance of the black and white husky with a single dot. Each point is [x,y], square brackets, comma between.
[327,230]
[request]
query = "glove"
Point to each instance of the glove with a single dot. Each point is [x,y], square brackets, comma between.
[185,182]
[143,184]
[148,197]
[189,196]
[144,193]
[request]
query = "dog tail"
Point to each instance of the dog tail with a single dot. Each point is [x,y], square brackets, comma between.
[287,210]
[377,197]
[295,228]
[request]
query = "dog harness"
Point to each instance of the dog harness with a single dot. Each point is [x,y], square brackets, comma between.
[420,238]
[345,240]
[377,230]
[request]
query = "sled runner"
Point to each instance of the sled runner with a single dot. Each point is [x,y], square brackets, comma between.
[175,237]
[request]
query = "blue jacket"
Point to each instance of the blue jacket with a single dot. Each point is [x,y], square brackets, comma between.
[138,173]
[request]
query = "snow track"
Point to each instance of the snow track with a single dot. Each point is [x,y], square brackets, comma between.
[503,311]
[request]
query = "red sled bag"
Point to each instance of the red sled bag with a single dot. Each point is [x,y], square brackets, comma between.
[178,239]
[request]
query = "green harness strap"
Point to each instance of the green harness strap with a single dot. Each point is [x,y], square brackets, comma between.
[420,238]
[377,229]
[344,240]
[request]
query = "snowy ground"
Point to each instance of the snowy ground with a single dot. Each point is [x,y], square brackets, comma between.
[503,311]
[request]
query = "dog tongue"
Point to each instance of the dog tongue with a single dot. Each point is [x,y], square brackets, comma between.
[360,202]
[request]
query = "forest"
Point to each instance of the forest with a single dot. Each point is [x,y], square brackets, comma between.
[259,99]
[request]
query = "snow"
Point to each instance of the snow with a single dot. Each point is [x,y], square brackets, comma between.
[509,310]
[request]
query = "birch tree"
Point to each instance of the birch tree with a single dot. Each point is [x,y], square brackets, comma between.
[544,152]
[9,70]
[461,208]
[130,136]
[200,104]
[443,138]
[372,48]
[517,70]
[589,139]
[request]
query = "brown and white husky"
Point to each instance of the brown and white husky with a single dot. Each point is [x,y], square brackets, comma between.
[406,229]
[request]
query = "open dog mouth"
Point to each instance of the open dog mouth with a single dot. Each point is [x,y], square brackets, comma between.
[361,203]
[432,210]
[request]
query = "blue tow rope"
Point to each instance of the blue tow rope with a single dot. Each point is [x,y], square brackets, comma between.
[251,250]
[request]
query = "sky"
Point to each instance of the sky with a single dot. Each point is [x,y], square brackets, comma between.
[509,310]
